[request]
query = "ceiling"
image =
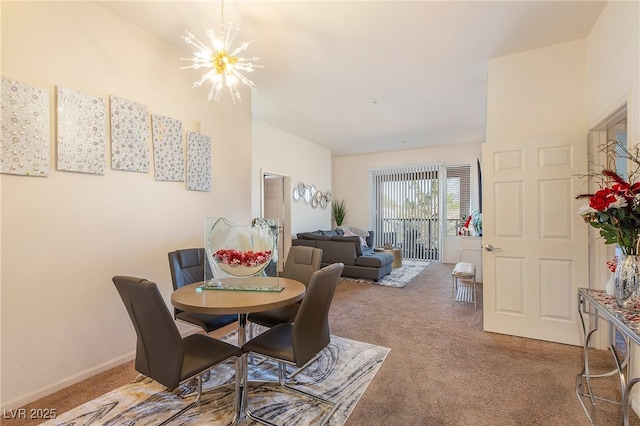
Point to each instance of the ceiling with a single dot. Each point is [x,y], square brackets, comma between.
[371,76]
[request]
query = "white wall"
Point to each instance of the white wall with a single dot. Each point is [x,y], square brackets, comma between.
[285,154]
[613,65]
[351,181]
[536,93]
[613,78]
[65,236]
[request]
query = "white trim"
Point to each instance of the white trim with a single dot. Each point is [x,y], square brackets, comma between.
[71,380]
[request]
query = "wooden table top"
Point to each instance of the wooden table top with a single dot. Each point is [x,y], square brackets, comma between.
[191,299]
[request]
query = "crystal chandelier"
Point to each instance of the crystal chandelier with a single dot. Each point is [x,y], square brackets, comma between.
[220,61]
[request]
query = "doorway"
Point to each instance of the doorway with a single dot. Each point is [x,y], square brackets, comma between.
[276,205]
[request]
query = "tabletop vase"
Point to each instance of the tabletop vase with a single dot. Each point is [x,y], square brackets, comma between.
[239,250]
[627,282]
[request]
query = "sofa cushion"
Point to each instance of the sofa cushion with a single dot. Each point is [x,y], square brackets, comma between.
[333,232]
[363,241]
[313,236]
[335,252]
[355,240]
[375,260]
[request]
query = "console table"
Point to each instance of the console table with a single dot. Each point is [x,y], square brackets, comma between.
[593,306]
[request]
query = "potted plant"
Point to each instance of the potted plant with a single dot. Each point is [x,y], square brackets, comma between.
[338,211]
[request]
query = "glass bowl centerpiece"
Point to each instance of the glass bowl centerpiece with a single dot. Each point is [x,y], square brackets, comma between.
[239,250]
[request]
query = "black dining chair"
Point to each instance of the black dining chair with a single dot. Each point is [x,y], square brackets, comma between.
[161,353]
[300,343]
[301,263]
[188,267]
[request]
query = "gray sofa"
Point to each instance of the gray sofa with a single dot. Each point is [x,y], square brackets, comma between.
[359,261]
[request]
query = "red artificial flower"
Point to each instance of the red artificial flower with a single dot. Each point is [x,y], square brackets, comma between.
[467,222]
[626,190]
[602,199]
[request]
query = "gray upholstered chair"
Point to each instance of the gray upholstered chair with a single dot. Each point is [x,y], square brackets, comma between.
[187,267]
[161,353]
[300,343]
[301,263]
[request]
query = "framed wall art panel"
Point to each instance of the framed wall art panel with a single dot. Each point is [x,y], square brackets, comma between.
[198,162]
[168,153]
[129,135]
[25,129]
[82,132]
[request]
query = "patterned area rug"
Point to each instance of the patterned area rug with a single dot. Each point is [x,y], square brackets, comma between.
[342,373]
[399,277]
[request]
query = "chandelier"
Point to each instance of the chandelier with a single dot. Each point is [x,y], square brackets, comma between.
[223,67]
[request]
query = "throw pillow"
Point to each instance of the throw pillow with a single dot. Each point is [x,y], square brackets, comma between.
[363,242]
[358,231]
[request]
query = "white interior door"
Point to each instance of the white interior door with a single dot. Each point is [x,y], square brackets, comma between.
[274,208]
[540,246]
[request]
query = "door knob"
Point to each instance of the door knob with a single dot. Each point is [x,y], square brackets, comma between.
[488,247]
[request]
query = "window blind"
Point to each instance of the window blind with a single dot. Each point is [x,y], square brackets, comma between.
[458,196]
[406,209]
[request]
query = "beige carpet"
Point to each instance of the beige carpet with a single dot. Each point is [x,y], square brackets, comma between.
[443,369]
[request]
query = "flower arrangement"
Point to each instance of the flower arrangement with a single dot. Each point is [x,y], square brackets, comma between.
[473,224]
[239,258]
[615,208]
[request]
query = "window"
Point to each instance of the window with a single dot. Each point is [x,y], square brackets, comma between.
[408,203]
[458,194]
[407,210]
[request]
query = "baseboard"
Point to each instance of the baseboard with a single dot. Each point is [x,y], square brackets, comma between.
[76,378]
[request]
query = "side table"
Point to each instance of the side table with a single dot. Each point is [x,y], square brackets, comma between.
[396,252]
[593,306]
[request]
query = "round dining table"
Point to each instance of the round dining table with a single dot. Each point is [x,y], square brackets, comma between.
[229,299]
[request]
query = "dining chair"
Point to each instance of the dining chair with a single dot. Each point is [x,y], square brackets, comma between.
[188,267]
[301,263]
[161,353]
[300,343]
